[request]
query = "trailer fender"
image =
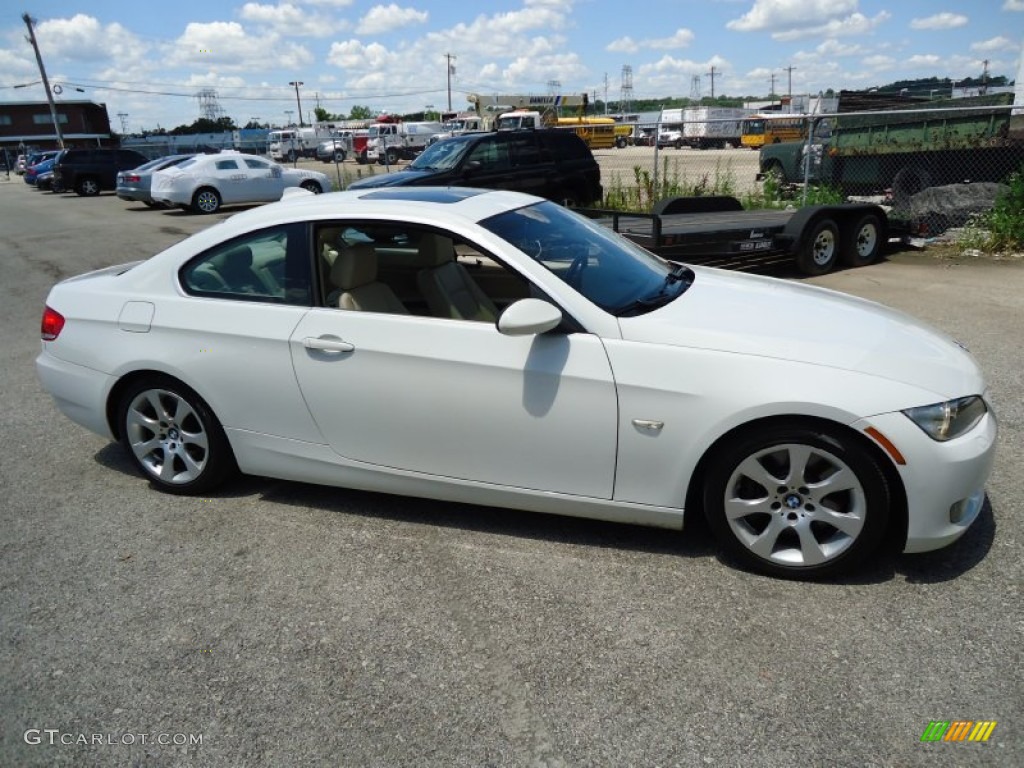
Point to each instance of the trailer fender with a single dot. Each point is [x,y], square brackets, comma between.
[702,204]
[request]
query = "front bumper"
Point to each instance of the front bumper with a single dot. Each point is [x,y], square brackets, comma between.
[944,482]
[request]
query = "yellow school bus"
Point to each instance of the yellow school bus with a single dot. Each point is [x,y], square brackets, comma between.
[758,130]
[597,132]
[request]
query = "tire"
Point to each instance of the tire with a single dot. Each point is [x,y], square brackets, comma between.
[392,157]
[796,501]
[820,250]
[312,186]
[87,187]
[339,156]
[620,143]
[206,200]
[774,171]
[291,156]
[861,242]
[908,182]
[150,204]
[172,437]
[678,144]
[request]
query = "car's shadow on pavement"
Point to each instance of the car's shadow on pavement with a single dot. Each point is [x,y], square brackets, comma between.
[695,542]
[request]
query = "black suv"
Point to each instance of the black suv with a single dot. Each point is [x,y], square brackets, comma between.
[553,163]
[89,171]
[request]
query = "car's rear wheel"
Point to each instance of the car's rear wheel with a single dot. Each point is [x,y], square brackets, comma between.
[311,186]
[339,156]
[798,501]
[88,187]
[172,436]
[206,200]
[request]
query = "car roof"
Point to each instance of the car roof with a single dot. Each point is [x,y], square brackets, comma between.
[468,204]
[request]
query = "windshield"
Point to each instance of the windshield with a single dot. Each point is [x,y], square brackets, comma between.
[440,156]
[620,277]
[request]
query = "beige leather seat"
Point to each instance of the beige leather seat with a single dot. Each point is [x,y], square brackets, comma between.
[446,285]
[354,272]
[236,270]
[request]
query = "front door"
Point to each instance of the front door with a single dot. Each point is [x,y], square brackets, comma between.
[458,399]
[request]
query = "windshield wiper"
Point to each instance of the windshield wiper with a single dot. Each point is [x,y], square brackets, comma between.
[644,304]
[679,274]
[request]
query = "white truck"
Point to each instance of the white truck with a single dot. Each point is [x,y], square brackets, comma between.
[460,125]
[287,144]
[391,142]
[670,129]
[712,127]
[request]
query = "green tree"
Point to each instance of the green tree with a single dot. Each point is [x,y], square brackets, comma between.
[360,112]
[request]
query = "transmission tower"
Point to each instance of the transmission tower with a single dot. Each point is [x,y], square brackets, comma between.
[695,87]
[554,86]
[209,105]
[626,95]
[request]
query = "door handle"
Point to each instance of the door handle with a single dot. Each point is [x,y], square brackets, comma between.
[327,344]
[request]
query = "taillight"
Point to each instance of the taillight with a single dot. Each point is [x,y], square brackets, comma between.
[53,324]
[131,178]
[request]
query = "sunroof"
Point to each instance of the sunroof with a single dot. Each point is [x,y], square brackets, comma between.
[423,194]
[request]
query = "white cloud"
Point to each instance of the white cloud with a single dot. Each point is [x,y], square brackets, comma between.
[923,60]
[355,56]
[788,14]
[226,46]
[386,18]
[944,20]
[1013,5]
[623,45]
[83,38]
[856,24]
[879,62]
[994,44]
[289,20]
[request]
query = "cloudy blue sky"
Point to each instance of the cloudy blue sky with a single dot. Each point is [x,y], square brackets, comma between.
[147,60]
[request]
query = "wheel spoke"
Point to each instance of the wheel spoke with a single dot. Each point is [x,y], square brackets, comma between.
[754,470]
[182,411]
[799,456]
[841,480]
[810,549]
[137,420]
[764,543]
[848,523]
[145,447]
[167,472]
[737,509]
[193,468]
[197,439]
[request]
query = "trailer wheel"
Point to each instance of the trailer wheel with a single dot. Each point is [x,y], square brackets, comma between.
[820,248]
[861,243]
[620,142]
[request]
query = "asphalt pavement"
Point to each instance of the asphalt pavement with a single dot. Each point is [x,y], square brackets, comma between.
[283,624]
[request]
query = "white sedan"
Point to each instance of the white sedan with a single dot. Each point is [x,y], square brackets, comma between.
[206,182]
[494,348]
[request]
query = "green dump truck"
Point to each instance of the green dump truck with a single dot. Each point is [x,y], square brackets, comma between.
[904,150]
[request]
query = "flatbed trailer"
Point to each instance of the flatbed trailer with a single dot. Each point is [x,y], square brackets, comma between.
[717,231]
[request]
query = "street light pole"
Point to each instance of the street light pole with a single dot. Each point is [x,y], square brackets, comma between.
[46,82]
[298,102]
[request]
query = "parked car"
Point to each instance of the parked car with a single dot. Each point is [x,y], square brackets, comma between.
[31,159]
[91,171]
[556,164]
[32,172]
[135,185]
[500,349]
[44,182]
[205,182]
[20,164]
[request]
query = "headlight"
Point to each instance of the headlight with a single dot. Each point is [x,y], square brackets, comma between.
[944,421]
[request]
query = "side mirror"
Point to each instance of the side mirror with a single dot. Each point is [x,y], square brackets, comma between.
[472,166]
[529,317]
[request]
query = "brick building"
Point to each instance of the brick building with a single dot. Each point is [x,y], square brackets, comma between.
[28,124]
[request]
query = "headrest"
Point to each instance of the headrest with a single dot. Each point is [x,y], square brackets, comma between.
[356,265]
[435,250]
[233,260]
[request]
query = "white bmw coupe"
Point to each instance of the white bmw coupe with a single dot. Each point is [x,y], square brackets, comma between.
[495,348]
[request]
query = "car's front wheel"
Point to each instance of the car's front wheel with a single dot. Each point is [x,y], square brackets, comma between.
[798,501]
[172,436]
[206,200]
[311,186]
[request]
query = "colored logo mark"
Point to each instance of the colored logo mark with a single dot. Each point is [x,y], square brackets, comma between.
[958,730]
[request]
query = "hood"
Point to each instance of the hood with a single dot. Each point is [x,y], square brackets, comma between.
[768,317]
[394,179]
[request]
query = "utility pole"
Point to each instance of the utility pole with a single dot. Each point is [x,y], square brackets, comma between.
[789,71]
[606,93]
[711,74]
[771,93]
[297,83]
[46,82]
[450,69]
[124,122]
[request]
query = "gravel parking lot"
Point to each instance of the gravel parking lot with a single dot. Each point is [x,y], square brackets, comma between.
[287,624]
